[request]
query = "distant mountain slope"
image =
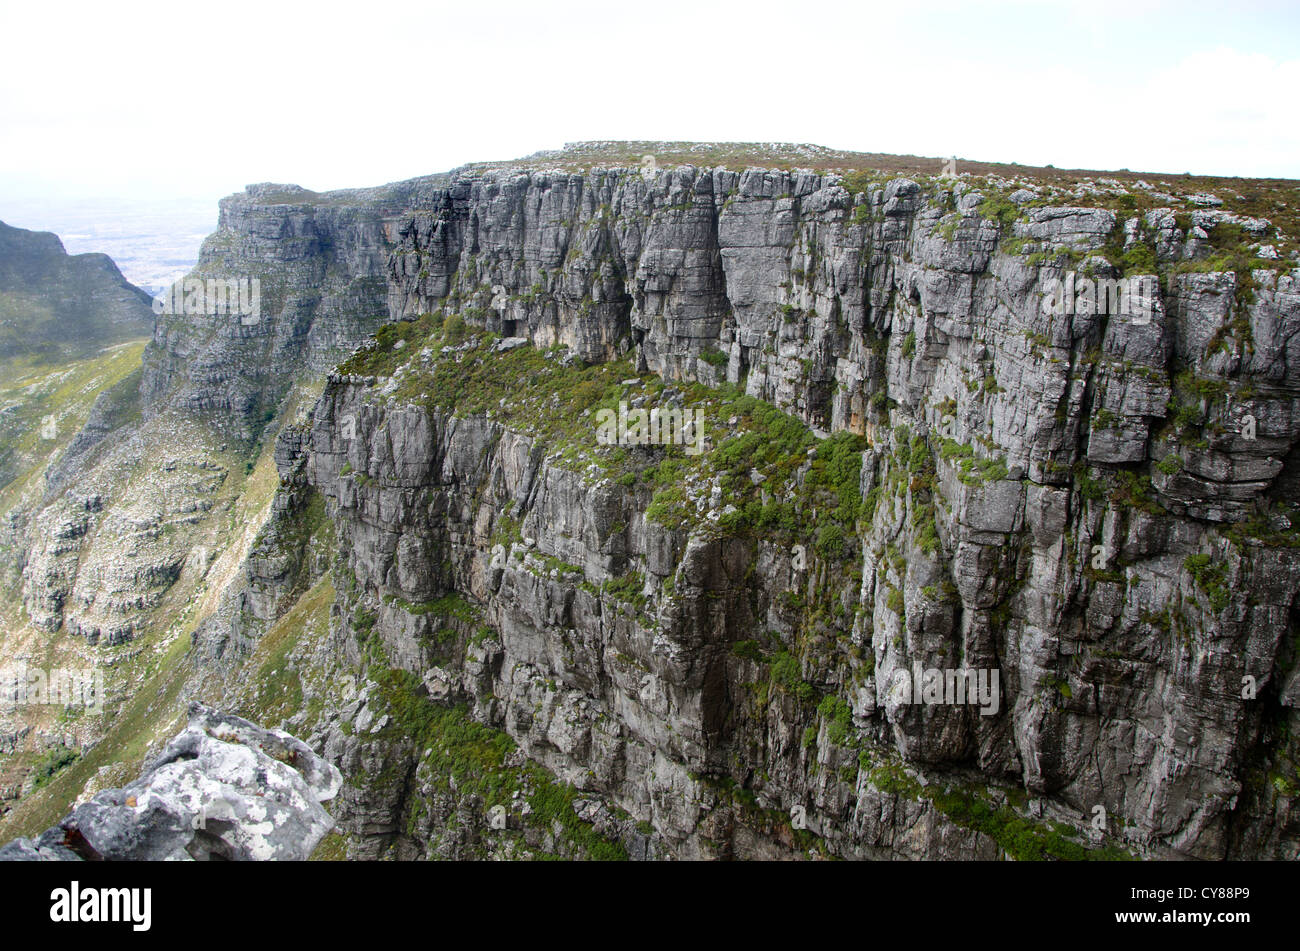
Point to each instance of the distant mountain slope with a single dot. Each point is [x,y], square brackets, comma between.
[55,306]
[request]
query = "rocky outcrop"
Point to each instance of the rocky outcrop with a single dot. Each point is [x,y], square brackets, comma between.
[222,789]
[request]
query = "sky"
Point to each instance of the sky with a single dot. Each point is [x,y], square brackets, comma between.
[165,101]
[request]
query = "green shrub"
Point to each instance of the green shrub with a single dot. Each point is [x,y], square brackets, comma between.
[1210,578]
[999,209]
[1170,465]
[830,541]
[839,719]
[454,330]
[787,676]
[56,759]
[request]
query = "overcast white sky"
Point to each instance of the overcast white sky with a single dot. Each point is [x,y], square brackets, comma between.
[171,100]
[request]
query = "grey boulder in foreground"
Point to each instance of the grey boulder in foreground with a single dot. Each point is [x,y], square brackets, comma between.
[223,789]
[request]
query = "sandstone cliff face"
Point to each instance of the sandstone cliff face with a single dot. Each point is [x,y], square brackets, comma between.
[1088,511]
[1099,509]
[320,266]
